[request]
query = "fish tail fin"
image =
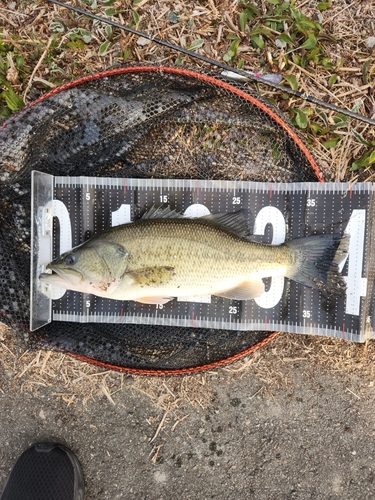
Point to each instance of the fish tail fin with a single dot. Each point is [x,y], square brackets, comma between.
[316,261]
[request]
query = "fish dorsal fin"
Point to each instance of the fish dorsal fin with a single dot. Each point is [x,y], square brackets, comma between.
[161,213]
[235,222]
[245,291]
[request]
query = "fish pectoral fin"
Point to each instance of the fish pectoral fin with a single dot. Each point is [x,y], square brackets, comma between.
[244,291]
[154,300]
[152,276]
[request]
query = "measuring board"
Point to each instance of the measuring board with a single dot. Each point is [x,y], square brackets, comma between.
[69,210]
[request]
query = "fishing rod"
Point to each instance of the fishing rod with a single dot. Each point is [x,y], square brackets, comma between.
[225,67]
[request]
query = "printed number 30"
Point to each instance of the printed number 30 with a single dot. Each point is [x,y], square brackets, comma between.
[271,215]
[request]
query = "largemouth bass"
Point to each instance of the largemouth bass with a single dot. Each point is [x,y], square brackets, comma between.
[164,255]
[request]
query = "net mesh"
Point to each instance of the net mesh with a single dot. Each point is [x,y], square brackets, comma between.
[144,122]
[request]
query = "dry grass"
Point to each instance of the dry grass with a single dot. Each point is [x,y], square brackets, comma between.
[76,382]
[72,380]
[48,62]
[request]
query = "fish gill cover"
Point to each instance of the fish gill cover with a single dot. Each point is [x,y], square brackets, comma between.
[144,122]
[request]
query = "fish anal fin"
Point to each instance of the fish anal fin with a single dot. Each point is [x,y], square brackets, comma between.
[154,300]
[245,291]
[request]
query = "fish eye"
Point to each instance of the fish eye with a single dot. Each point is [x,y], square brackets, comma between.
[70,259]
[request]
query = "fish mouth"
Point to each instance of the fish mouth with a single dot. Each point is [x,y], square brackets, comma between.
[61,277]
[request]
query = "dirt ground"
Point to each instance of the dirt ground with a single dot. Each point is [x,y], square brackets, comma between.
[293,421]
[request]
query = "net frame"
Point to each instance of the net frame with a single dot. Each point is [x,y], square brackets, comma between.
[237,90]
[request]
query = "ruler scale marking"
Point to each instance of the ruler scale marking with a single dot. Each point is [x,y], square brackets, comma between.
[218,195]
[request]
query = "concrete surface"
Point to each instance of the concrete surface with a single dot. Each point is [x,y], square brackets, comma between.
[311,439]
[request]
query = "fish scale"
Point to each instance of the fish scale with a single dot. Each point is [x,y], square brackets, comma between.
[286,305]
